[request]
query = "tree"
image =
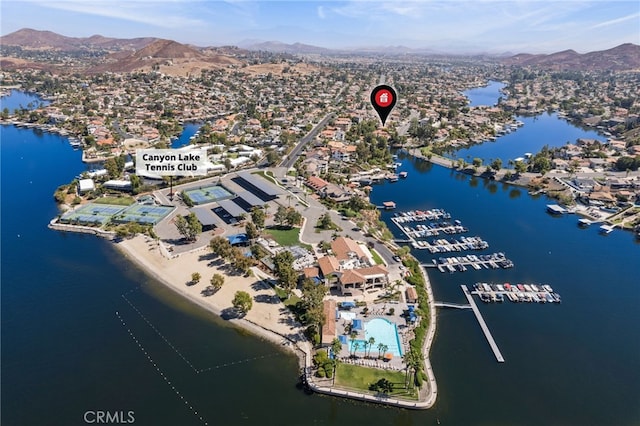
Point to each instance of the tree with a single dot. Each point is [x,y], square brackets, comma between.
[217,281]
[336,346]
[352,338]
[227,164]
[281,215]
[240,261]
[477,162]
[324,222]
[111,166]
[520,167]
[293,217]
[195,277]
[283,263]
[220,246]
[188,227]
[496,164]
[258,216]
[383,385]
[372,342]
[365,345]
[251,231]
[382,348]
[272,157]
[242,302]
[412,361]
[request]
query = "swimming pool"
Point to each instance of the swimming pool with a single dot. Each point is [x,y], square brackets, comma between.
[383,331]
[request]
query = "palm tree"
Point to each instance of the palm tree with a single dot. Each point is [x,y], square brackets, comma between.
[352,338]
[384,350]
[366,345]
[380,346]
[372,341]
[336,347]
[408,361]
[356,346]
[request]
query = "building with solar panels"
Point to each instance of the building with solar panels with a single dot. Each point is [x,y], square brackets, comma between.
[258,186]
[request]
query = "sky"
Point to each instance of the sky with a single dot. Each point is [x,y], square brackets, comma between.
[454,26]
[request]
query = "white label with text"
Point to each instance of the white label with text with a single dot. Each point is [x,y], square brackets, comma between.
[171,162]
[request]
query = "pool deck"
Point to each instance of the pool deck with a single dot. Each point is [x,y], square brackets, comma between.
[427,394]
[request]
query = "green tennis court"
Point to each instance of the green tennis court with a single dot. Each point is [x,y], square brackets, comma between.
[91,214]
[143,214]
[208,194]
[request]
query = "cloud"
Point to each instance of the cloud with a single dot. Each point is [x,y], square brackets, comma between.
[617,20]
[163,14]
[321,12]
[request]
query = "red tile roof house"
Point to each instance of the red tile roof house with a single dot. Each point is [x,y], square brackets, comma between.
[349,270]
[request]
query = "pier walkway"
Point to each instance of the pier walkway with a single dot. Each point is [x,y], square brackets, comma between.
[483,325]
[451,305]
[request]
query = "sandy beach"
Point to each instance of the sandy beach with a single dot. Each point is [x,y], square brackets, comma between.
[268,318]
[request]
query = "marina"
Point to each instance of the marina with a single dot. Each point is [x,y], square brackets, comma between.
[537,293]
[436,223]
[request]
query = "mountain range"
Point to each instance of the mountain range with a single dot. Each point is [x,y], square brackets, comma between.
[140,53]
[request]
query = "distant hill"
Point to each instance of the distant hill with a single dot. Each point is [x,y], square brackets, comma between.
[620,58]
[117,55]
[170,55]
[27,38]
[279,47]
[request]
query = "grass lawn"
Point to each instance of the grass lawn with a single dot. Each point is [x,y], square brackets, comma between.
[118,201]
[357,377]
[288,302]
[376,257]
[287,237]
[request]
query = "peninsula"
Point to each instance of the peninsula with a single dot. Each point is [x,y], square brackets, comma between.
[279,236]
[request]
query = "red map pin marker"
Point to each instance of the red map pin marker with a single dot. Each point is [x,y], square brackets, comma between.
[383,99]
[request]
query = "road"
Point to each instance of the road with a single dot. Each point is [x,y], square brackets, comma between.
[293,155]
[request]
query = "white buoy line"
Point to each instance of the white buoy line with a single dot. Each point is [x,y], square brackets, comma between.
[164,376]
[184,358]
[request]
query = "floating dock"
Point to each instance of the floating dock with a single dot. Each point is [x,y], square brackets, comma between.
[447,246]
[483,325]
[460,263]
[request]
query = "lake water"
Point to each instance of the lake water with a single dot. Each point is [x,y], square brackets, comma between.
[82,328]
[486,95]
[19,99]
[189,129]
[545,129]
[537,131]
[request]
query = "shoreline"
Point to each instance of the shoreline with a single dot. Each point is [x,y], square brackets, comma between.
[174,274]
[135,257]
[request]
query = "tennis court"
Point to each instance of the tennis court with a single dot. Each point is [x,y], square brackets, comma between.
[143,214]
[96,214]
[208,194]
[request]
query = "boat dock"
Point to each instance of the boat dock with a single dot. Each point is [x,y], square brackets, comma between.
[516,293]
[483,325]
[447,246]
[461,263]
